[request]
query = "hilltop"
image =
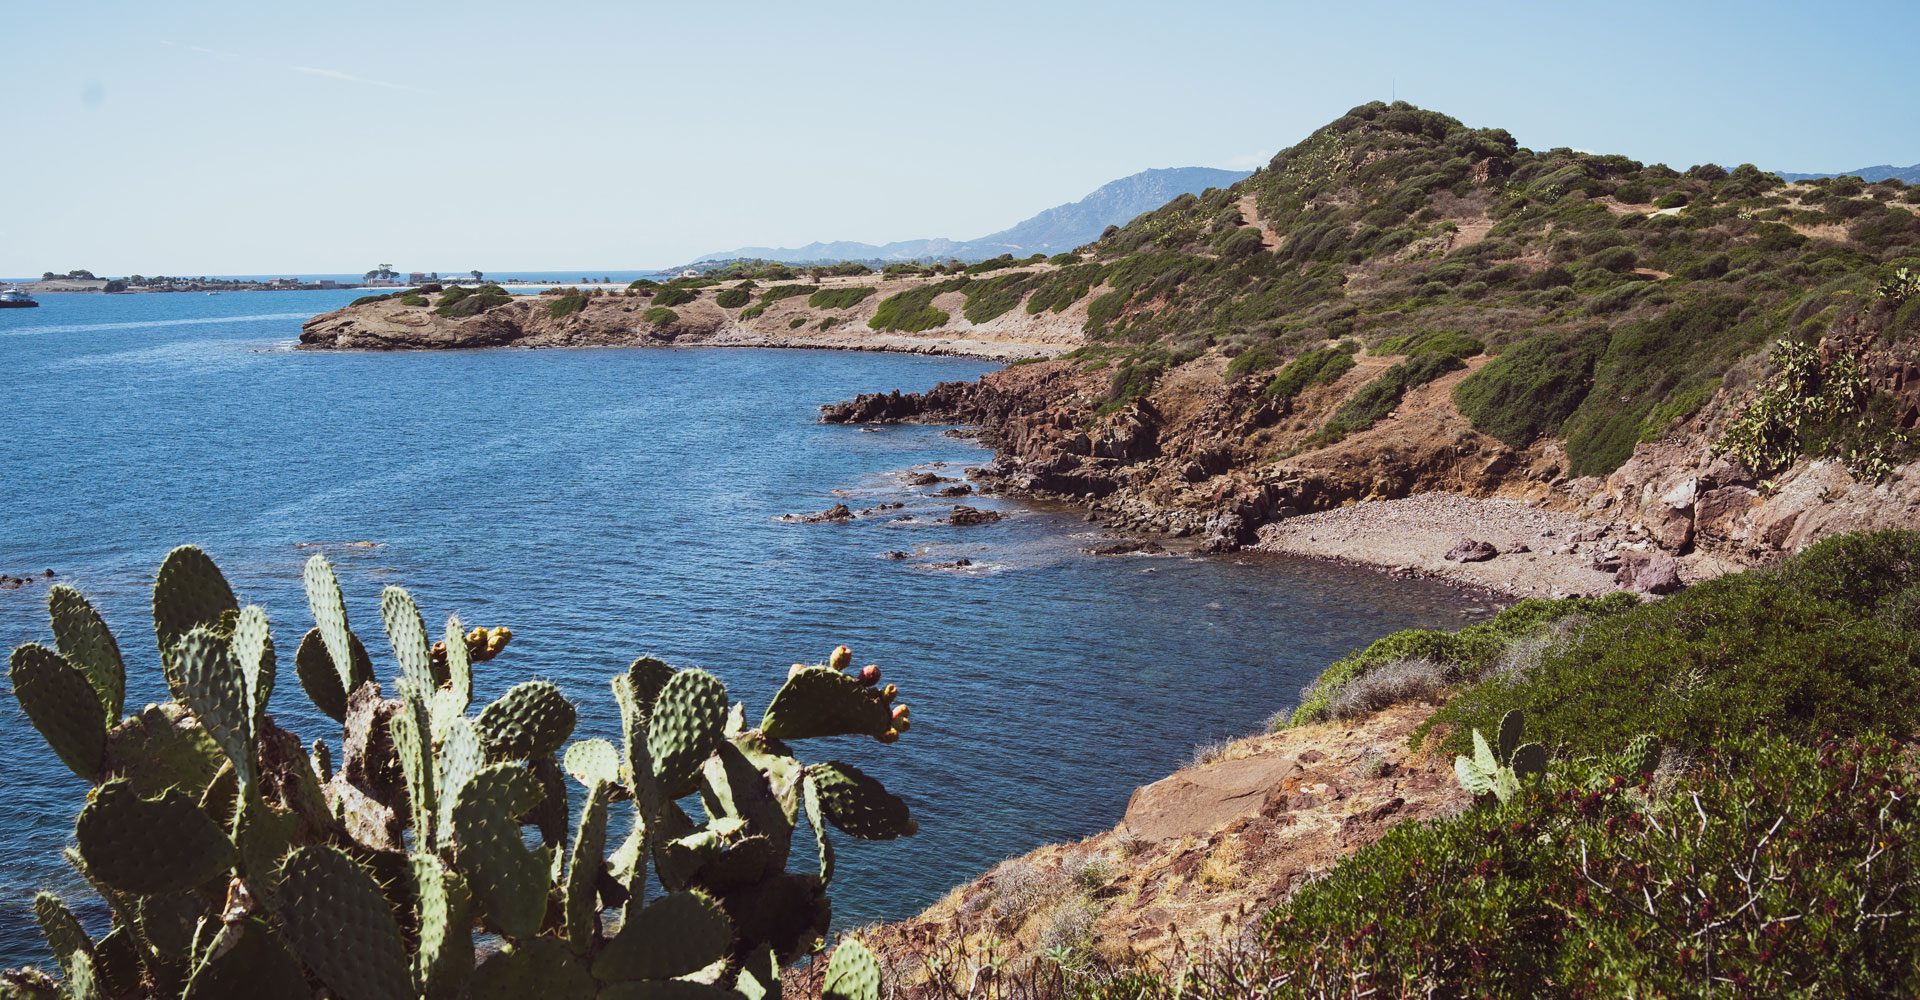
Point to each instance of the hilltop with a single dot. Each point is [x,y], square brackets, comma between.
[1062,227]
[1629,363]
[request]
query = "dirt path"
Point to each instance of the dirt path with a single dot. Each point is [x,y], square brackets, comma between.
[1250,211]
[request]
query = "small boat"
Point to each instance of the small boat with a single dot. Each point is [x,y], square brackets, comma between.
[14,298]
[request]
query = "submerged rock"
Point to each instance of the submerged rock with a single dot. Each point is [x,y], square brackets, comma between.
[963,516]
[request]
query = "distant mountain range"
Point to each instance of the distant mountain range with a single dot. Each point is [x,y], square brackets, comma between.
[1907,175]
[1055,230]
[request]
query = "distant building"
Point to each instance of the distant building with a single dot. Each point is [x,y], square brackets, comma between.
[416,277]
[284,283]
[382,283]
[328,283]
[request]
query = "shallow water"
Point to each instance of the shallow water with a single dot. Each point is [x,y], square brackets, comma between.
[606,503]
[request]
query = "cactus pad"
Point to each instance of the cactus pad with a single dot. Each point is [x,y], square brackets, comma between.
[819,701]
[687,723]
[666,989]
[1512,725]
[321,679]
[1528,758]
[163,748]
[810,799]
[852,974]
[407,634]
[459,760]
[86,643]
[189,591]
[211,686]
[648,675]
[150,845]
[65,937]
[589,761]
[252,650]
[444,959]
[62,705]
[459,680]
[541,967]
[533,719]
[1472,778]
[413,744]
[330,616]
[509,882]
[1643,754]
[679,933]
[584,866]
[246,959]
[857,804]
[341,926]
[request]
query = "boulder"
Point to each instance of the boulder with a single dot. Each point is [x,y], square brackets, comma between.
[1470,551]
[1649,573]
[963,516]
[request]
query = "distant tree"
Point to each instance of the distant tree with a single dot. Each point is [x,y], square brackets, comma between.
[476,275]
[82,275]
[48,276]
[138,280]
[115,286]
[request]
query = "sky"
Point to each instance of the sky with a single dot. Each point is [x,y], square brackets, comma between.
[212,138]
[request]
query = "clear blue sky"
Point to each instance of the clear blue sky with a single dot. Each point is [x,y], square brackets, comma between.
[206,138]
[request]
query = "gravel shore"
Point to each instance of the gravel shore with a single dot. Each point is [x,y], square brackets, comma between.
[1538,556]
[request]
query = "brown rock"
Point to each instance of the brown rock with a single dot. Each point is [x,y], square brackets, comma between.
[1470,551]
[1193,802]
[963,516]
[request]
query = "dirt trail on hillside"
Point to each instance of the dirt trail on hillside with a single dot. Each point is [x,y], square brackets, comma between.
[1250,212]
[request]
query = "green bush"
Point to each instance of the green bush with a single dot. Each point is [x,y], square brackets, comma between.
[413,300]
[1672,199]
[567,304]
[1462,655]
[1533,386]
[912,311]
[995,296]
[1795,652]
[660,316]
[732,298]
[463,301]
[1378,398]
[1003,261]
[1587,886]
[1457,343]
[1322,367]
[778,292]
[674,296]
[840,298]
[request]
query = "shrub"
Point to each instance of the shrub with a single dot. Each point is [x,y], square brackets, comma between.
[778,292]
[660,316]
[1749,653]
[1533,386]
[1003,261]
[1457,343]
[413,300]
[674,296]
[1380,397]
[1672,199]
[732,298]
[840,298]
[568,304]
[463,301]
[995,296]
[1387,685]
[1585,886]
[912,311]
[1632,193]
[1312,368]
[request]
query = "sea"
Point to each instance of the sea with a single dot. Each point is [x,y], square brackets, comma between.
[608,503]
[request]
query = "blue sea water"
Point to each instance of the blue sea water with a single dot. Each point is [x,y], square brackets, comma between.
[608,503]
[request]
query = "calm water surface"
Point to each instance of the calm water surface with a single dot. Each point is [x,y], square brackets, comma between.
[606,503]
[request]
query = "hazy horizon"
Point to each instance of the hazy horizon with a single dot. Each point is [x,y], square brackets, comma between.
[229,139]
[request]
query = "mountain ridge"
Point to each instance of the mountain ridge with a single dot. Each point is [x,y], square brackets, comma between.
[1872,175]
[1054,230]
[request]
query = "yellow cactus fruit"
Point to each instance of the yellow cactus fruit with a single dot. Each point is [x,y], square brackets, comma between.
[889,736]
[841,659]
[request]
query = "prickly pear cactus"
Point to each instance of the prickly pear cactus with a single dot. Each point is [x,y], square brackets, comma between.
[203,799]
[1643,754]
[1498,772]
[852,974]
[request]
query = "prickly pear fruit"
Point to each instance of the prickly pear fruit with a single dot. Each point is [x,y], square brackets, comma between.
[796,668]
[869,675]
[841,659]
[890,736]
[890,692]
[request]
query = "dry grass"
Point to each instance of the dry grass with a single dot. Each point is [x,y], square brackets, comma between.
[1387,685]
